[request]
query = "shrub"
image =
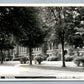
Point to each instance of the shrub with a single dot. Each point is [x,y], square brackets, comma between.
[52,58]
[76,61]
[23,60]
[16,59]
[44,57]
[71,51]
[69,58]
[65,52]
[57,55]
[79,60]
[7,59]
[39,59]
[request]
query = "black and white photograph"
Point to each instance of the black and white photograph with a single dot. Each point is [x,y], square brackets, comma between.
[42,42]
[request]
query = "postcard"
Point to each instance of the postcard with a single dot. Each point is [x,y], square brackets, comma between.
[41,42]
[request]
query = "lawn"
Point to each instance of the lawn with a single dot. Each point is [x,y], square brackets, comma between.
[47,68]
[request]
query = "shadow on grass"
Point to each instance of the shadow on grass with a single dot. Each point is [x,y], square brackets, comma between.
[67,68]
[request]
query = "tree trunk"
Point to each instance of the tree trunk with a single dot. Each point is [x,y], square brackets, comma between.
[30,55]
[9,55]
[63,56]
[44,49]
[63,53]
[17,51]
[2,58]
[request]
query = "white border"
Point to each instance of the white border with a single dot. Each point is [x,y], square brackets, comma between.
[42,80]
[50,4]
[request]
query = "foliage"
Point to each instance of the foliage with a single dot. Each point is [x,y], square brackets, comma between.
[39,59]
[76,40]
[44,57]
[64,27]
[29,23]
[57,54]
[34,35]
[23,60]
[6,44]
[23,24]
[52,58]
[7,30]
[64,21]
[69,58]
[16,59]
[71,51]
[79,60]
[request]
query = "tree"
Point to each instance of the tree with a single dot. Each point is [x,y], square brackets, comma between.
[5,44]
[23,24]
[7,29]
[33,33]
[64,27]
